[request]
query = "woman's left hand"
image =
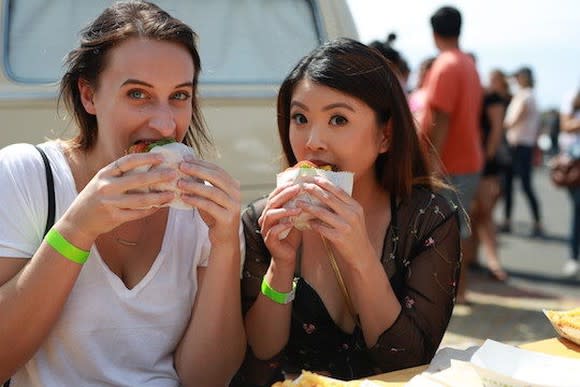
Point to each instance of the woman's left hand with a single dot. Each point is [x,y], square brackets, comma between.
[342,223]
[218,202]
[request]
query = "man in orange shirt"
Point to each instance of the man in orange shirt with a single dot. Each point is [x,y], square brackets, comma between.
[454,99]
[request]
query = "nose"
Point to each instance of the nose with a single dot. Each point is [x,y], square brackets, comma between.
[315,140]
[163,120]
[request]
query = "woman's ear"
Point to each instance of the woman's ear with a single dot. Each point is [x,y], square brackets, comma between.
[386,133]
[86,93]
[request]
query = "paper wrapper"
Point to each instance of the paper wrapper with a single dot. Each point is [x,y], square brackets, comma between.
[566,323]
[310,379]
[498,364]
[173,154]
[343,180]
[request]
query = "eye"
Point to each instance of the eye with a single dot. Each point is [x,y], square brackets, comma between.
[338,120]
[137,94]
[181,96]
[299,118]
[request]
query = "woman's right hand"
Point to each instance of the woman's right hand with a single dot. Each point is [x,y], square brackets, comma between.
[112,197]
[274,222]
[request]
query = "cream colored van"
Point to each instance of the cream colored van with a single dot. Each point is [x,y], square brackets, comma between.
[247,47]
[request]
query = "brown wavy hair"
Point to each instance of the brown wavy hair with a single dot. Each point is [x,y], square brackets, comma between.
[116,24]
[362,72]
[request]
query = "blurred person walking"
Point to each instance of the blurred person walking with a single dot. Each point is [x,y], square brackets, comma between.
[496,99]
[454,98]
[522,122]
[569,142]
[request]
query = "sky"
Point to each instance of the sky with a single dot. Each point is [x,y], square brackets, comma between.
[504,34]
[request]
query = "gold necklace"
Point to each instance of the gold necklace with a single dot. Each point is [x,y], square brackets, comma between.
[127,242]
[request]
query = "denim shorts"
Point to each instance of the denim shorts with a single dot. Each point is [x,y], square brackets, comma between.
[465,189]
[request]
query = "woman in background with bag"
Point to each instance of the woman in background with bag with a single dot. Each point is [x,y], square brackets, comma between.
[395,241]
[569,142]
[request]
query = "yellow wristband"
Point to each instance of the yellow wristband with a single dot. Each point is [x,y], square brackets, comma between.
[276,296]
[55,240]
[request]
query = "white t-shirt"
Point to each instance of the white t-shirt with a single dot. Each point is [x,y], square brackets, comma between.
[107,334]
[524,132]
[568,139]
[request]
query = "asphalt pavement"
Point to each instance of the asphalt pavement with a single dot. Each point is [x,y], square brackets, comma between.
[511,311]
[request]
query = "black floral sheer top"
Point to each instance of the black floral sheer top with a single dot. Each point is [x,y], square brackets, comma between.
[421,257]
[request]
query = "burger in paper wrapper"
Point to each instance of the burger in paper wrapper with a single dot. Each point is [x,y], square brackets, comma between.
[173,153]
[297,174]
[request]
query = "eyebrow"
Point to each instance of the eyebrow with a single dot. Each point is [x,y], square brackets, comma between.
[132,81]
[327,107]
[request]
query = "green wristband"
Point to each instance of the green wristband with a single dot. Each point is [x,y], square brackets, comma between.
[55,240]
[276,296]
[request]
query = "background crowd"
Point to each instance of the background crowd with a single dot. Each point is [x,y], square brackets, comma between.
[499,113]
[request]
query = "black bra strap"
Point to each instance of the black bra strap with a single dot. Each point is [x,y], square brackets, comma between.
[50,189]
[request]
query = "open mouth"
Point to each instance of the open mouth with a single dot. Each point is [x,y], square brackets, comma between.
[143,146]
[320,164]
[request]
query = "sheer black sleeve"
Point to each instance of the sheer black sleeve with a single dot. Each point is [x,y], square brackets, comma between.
[428,257]
[257,257]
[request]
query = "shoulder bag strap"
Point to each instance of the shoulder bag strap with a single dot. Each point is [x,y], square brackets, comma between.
[50,188]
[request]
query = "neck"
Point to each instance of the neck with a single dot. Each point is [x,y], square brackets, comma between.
[447,44]
[369,193]
[84,165]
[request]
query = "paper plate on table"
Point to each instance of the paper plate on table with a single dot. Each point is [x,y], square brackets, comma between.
[566,323]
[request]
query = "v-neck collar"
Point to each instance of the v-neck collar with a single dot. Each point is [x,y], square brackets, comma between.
[117,284]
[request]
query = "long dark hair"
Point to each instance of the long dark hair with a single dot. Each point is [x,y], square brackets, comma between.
[119,22]
[362,72]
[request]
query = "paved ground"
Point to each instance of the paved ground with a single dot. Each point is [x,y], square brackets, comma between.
[511,312]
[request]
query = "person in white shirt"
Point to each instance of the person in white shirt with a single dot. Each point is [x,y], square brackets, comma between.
[123,289]
[522,123]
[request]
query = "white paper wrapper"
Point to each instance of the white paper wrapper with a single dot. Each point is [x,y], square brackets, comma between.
[498,364]
[343,180]
[173,154]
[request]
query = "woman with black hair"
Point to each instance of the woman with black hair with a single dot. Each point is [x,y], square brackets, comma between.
[395,241]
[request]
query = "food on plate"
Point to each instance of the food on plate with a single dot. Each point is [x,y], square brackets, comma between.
[566,323]
[173,153]
[297,174]
[310,379]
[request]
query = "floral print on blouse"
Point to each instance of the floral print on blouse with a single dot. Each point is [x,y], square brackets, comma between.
[421,257]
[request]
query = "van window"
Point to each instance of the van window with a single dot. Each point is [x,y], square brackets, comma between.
[241,41]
